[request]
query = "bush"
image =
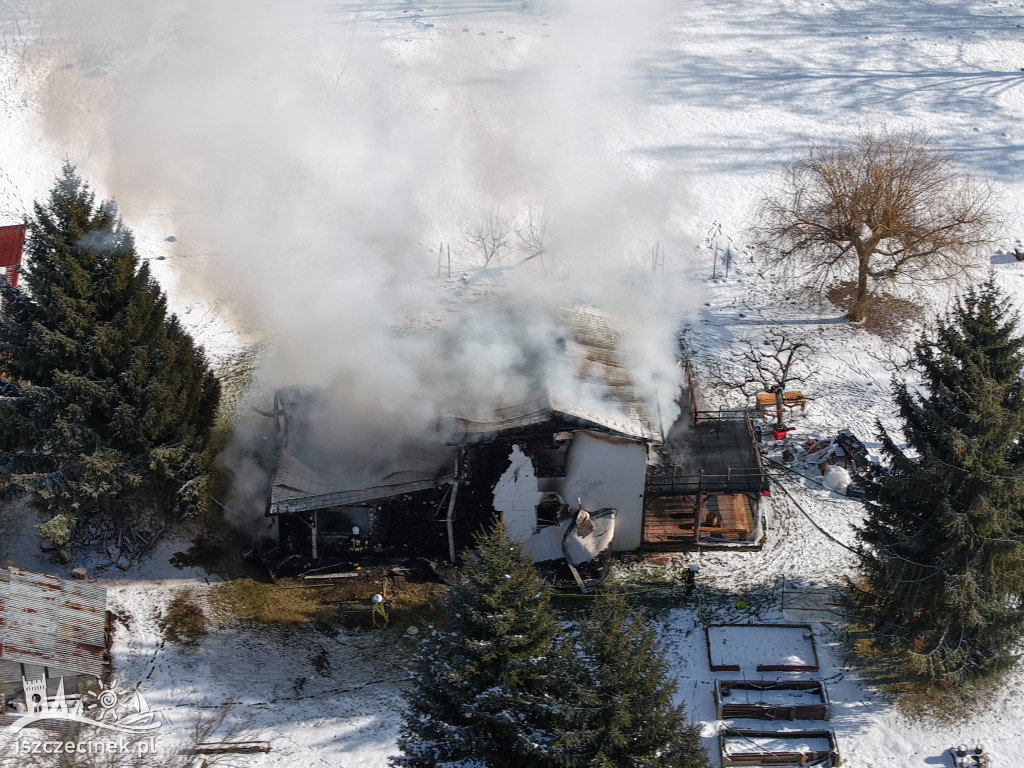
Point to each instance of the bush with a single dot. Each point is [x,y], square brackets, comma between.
[58,529]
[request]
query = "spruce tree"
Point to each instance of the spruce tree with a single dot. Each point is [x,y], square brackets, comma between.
[502,686]
[627,715]
[114,392]
[941,548]
[474,679]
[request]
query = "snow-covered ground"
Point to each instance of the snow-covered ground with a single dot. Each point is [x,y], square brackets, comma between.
[308,164]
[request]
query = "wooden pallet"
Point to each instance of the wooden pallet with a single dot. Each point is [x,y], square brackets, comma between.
[225,747]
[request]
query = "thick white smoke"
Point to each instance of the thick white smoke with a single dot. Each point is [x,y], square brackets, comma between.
[315,156]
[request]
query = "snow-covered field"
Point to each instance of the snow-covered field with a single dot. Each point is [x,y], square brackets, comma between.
[308,163]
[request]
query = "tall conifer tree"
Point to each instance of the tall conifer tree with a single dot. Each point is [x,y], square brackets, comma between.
[942,552]
[114,393]
[503,687]
[626,715]
[470,679]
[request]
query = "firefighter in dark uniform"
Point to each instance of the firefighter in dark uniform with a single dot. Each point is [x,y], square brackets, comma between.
[690,579]
[357,547]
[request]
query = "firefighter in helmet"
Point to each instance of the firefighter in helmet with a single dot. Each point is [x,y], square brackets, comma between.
[356,546]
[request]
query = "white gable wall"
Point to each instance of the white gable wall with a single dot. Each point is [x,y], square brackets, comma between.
[600,472]
[603,471]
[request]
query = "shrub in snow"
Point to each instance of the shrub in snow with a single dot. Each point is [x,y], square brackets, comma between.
[183,620]
[57,529]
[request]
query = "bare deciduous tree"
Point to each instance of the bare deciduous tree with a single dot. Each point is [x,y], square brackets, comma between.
[490,235]
[880,208]
[532,235]
[774,365]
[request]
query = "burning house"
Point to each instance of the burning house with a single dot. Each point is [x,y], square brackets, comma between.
[578,468]
[565,470]
[328,509]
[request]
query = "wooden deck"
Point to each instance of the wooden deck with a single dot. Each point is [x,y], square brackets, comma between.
[669,519]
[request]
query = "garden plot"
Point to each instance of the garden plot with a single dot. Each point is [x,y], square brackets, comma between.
[752,648]
[740,746]
[772,700]
[803,604]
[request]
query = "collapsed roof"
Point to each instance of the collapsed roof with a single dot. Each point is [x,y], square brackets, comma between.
[303,481]
[588,382]
[584,379]
[298,487]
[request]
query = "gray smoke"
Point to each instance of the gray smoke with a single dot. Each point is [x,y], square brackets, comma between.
[310,160]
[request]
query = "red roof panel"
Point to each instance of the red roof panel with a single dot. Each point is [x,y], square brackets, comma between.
[12,243]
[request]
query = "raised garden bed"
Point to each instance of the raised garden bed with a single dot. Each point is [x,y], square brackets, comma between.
[751,747]
[761,648]
[772,700]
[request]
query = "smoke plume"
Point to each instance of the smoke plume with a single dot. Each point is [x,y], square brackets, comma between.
[314,161]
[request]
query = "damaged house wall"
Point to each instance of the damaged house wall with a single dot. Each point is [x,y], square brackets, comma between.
[600,472]
[605,471]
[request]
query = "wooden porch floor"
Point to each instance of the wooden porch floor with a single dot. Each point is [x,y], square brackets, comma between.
[669,520]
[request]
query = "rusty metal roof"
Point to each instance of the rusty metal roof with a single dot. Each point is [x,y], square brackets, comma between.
[52,622]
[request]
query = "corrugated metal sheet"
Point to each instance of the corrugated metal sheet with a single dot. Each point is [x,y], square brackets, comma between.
[52,622]
[358,497]
[300,488]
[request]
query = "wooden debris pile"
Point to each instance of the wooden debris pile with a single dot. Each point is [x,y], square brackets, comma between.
[225,747]
[840,450]
[124,543]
